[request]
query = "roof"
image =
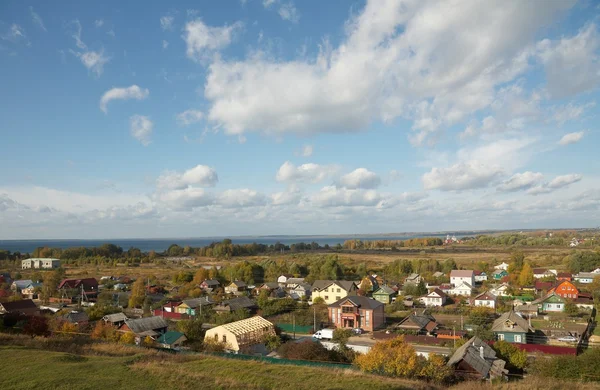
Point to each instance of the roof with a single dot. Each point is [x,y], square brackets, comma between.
[499,271]
[424,321]
[438,292]
[526,308]
[16,306]
[170,337]
[539,271]
[461,273]
[21,284]
[248,325]
[539,285]
[77,316]
[463,285]
[564,275]
[238,283]
[438,274]
[485,296]
[323,284]
[42,258]
[470,352]
[239,303]
[518,323]
[271,285]
[75,283]
[295,280]
[364,302]
[212,282]
[116,317]
[385,290]
[553,297]
[197,302]
[412,276]
[141,325]
[590,275]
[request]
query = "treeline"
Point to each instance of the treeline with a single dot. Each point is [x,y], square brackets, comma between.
[529,239]
[391,244]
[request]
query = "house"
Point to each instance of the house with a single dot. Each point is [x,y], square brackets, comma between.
[540,273]
[210,284]
[116,319]
[477,360]
[438,274]
[512,328]
[480,276]
[418,323]
[333,290]
[485,299]
[502,266]
[241,335]
[464,289]
[236,287]
[23,306]
[26,287]
[282,279]
[18,285]
[499,274]
[294,282]
[435,298]
[543,286]
[501,290]
[239,303]
[42,263]
[142,327]
[300,291]
[527,310]
[75,287]
[413,279]
[564,276]
[585,277]
[460,276]
[369,284]
[171,339]
[357,312]
[384,294]
[194,306]
[77,317]
[565,289]
[552,302]
[268,286]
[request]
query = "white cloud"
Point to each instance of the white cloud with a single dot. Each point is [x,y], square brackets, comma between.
[569,112]
[461,176]
[202,39]
[185,199]
[521,181]
[311,173]
[359,178]
[509,153]
[189,117]
[111,33]
[15,34]
[268,3]
[141,128]
[200,175]
[564,180]
[571,138]
[99,22]
[77,35]
[165,44]
[403,58]
[166,22]
[132,92]
[37,20]
[93,60]
[288,12]
[238,198]
[307,151]
[290,197]
[332,196]
[572,64]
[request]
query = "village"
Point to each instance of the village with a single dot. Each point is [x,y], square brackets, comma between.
[458,314]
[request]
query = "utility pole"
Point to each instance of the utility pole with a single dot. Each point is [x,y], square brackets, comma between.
[461,322]
[454,336]
[294,324]
[314,319]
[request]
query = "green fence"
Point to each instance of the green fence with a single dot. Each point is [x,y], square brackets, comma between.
[272,360]
[289,328]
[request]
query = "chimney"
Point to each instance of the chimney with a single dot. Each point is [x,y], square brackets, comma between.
[481,352]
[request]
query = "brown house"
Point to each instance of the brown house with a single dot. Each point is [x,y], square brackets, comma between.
[477,360]
[357,312]
[418,323]
[24,306]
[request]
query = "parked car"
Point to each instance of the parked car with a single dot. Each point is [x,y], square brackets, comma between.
[326,334]
[568,339]
[357,331]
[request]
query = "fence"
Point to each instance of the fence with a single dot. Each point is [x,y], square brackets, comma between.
[272,360]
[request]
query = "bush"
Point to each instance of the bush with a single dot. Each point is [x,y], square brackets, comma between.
[310,350]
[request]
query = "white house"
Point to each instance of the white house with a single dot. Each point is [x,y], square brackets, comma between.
[44,263]
[540,273]
[413,279]
[485,299]
[282,279]
[460,276]
[464,289]
[585,277]
[480,276]
[435,298]
[503,266]
[500,291]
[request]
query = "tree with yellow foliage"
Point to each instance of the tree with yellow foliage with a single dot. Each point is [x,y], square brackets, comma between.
[526,275]
[148,342]
[127,338]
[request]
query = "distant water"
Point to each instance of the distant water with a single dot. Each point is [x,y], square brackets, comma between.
[159,245]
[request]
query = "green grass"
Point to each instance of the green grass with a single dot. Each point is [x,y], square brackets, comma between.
[28,368]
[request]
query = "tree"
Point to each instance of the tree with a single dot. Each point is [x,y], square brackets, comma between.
[103,331]
[148,342]
[138,293]
[318,300]
[192,329]
[516,358]
[571,309]
[36,326]
[526,275]
[127,338]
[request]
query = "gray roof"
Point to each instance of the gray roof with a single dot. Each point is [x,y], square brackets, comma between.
[77,316]
[364,302]
[116,317]
[147,324]
[197,302]
[385,290]
[589,275]
[511,322]
[239,303]
[212,282]
[470,352]
[271,285]
[238,283]
[412,276]
[323,284]
[438,274]
[21,284]
[295,281]
[422,320]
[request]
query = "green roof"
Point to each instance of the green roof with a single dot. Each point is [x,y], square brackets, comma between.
[384,290]
[170,337]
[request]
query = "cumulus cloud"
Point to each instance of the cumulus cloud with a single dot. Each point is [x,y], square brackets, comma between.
[571,138]
[189,117]
[186,198]
[332,196]
[292,196]
[310,173]
[37,20]
[555,184]
[166,22]
[237,198]
[359,178]
[202,40]
[200,175]
[141,128]
[572,64]
[521,181]
[461,176]
[404,63]
[132,92]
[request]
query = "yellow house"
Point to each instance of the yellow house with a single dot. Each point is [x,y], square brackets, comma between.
[241,335]
[333,290]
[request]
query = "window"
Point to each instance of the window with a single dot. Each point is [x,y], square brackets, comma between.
[347,309]
[337,298]
[501,337]
[217,338]
[224,338]
[326,297]
[517,338]
[338,290]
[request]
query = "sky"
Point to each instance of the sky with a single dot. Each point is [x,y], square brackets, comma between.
[256,117]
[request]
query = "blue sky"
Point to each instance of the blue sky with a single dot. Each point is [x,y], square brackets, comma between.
[139,119]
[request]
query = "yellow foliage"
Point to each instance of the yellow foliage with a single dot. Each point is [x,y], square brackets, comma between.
[148,342]
[127,338]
